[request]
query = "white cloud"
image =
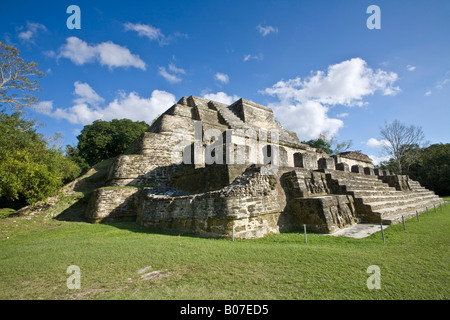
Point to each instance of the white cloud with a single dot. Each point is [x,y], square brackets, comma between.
[144,30]
[168,76]
[265,30]
[410,67]
[372,142]
[221,97]
[44,107]
[376,159]
[31,31]
[152,33]
[174,69]
[303,104]
[126,105]
[86,94]
[222,77]
[428,93]
[342,115]
[442,83]
[106,53]
[49,53]
[252,57]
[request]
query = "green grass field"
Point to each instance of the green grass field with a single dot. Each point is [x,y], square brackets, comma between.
[36,252]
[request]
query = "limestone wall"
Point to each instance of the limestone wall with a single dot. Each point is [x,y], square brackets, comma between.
[113,204]
[324,214]
[353,158]
[251,203]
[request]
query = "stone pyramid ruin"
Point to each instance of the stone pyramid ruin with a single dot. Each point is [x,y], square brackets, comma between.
[214,170]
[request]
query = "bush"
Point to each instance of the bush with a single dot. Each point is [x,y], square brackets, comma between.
[29,169]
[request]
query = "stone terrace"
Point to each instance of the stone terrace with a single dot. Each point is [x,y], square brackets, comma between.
[286,186]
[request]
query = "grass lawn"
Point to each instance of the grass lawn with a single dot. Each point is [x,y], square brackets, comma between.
[36,252]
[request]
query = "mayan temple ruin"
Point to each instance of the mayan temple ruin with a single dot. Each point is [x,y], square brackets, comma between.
[208,168]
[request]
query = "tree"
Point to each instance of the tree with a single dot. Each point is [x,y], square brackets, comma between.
[403,144]
[329,145]
[29,169]
[15,79]
[102,140]
[432,169]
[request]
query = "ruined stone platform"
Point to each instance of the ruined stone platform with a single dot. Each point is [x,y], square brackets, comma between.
[214,170]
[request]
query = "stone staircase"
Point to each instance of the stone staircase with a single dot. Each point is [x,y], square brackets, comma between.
[376,201]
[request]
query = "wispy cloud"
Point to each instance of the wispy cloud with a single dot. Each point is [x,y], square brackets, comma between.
[442,83]
[174,69]
[30,32]
[374,143]
[266,30]
[168,76]
[253,57]
[410,67]
[145,30]
[222,77]
[153,33]
[378,159]
[174,75]
[106,53]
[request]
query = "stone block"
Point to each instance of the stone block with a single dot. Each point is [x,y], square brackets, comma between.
[357,169]
[341,166]
[305,160]
[326,163]
[324,214]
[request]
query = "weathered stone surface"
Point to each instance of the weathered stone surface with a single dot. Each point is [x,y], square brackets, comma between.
[342,166]
[357,169]
[113,204]
[354,158]
[326,163]
[214,170]
[324,214]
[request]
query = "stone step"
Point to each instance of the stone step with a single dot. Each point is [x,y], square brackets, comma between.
[361,182]
[364,187]
[366,193]
[403,209]
[396,196]
[397,218]
[394,203]
[230,118]
[350,175]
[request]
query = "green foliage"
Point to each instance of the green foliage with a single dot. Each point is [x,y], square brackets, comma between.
[329,145]
[29,169]
[433,168]
[105,139]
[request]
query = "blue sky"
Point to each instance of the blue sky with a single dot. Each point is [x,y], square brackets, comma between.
[316,63]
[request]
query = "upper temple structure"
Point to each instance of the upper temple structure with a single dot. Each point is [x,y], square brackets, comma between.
[211,169]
